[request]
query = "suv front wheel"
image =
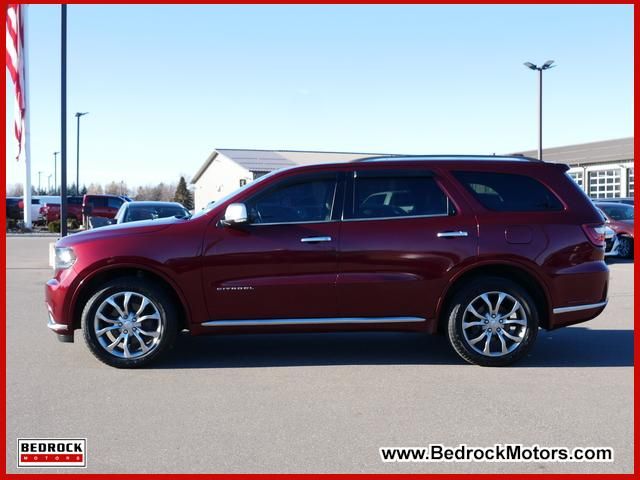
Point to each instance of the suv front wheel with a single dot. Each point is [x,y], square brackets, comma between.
[492,322]
[129,323]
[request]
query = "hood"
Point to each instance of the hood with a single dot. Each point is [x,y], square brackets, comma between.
[121,229]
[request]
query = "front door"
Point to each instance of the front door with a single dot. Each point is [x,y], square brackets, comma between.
[401,237]
[283,263]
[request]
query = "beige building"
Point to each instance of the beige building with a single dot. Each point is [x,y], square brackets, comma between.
[226,169]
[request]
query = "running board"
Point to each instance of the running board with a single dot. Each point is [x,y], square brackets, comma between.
[310,321]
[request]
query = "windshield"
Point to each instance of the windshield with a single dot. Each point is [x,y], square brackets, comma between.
[212,205]
[618,212]
[150,212]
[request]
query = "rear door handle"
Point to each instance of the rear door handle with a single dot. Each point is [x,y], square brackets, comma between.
[315,239]
[458,233]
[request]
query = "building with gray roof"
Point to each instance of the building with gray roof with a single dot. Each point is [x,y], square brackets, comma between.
[604,169]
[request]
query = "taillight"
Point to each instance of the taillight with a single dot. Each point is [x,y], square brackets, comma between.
[595,233]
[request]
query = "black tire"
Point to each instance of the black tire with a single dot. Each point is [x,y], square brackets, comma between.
[625,247]
[468,294]
[167,323]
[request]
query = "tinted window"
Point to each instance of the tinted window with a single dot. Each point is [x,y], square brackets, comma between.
[302,201]
[383,196]
[114,202]
[74,200]
[97,201]
[505,192]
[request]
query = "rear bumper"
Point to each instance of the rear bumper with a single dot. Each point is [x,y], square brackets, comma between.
[579,294]
[580,308]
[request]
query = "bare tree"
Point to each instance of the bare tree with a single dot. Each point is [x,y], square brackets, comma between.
[15,190]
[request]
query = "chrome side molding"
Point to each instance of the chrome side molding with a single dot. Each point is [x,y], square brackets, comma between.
[310,321]
[577,308]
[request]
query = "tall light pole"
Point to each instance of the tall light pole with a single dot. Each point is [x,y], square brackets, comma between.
[39,173]
[78,115]
[55,171]
[63,120]
[49,183]
[546,66]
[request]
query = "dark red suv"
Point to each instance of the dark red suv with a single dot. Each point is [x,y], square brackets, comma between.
[483,249]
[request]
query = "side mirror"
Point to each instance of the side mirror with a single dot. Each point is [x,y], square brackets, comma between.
[236,213]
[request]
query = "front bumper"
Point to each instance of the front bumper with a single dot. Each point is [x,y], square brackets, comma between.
[64,334]
[58,321]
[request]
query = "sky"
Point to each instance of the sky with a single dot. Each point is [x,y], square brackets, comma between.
[165,85]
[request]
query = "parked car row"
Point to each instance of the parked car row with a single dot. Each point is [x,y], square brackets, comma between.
[47,208]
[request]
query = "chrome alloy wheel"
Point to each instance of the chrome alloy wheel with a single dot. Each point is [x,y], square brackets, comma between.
[494,324]
[128,325]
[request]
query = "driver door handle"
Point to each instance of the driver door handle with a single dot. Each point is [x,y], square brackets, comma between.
[315,239]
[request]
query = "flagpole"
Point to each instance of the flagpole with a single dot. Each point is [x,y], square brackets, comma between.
[27,115]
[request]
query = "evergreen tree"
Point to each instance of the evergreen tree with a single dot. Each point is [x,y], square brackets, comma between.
[183,195]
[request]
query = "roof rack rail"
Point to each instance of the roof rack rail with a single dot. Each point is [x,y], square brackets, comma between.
[516,156]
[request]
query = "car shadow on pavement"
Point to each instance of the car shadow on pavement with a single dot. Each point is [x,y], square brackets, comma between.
[615,260]
[569,347]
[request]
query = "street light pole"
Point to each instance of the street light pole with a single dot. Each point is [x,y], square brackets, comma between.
[78,115]
[55,171]
[39,173]
[63,120]
[546,66]
[49,184]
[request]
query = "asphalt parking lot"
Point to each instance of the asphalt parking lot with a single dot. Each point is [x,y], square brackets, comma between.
[315,403]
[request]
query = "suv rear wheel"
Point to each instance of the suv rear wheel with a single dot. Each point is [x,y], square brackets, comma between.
[129,323]
[492,322]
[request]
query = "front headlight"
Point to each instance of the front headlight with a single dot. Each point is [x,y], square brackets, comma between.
[65,258]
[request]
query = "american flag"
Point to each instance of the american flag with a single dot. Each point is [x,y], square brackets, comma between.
[15,65]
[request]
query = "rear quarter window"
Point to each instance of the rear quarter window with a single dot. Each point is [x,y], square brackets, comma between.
[507,192]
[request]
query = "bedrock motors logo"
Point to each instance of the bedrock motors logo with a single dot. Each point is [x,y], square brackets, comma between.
[52,452]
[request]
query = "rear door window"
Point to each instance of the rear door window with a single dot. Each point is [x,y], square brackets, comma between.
[382,194]
[506,192]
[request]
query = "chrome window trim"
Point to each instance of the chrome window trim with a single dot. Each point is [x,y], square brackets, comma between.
[403,217]
[311,321]
[291,223]
[578,308]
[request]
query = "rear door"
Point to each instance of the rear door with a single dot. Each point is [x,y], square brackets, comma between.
[401,237]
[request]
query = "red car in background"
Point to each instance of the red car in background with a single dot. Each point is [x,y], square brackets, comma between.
[105,206]
[485,250]
[51,211]
[619,218]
